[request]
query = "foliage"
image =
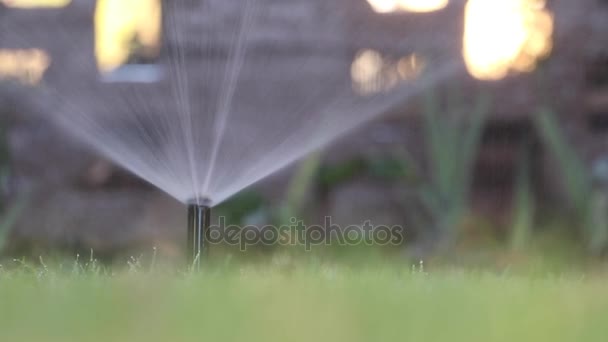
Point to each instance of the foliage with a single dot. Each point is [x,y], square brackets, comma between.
[4,159]
[572,167]
[298,190]
[392,169]
[452,141]
[589,203]
[331,175]
[240,207]
[311,172]
[524,207]
[386,168]
[597,222]
[8,211]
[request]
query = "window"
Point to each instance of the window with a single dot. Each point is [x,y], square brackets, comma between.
[127,39]
[372,73]
[25,66]
[35,3]
[502,36]
[419,6]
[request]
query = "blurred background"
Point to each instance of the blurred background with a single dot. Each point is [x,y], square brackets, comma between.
[504,164]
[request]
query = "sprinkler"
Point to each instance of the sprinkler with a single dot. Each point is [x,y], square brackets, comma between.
[199,218]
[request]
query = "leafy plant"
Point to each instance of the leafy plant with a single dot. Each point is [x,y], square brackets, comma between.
[240,207]
[397,167]
[597,223]
[524,208]
[452,146]
[298,188]
[332,175]
[392,168]
[575,174]
[8,212]
[589,204]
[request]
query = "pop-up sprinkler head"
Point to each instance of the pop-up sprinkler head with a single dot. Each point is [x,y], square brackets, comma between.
[199,218]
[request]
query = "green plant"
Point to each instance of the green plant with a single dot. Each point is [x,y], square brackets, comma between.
[332,175]
[524,207]
[298,189]
[393,168]
[237,210]
[597,222]
[575,174]
[398,166]
[4,161]
[9,212]
[588,203]
[452,142]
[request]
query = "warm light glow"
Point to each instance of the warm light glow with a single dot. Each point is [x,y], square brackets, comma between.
[388,6]
[410,67]
[372,73]
[505,35]
[35,3]
[118,23]
[26,66]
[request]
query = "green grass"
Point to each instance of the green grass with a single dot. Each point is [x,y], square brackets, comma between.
[312,303]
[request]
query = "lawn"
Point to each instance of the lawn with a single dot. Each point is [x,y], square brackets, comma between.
[317,303]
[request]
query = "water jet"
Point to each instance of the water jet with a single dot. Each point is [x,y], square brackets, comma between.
[245,93]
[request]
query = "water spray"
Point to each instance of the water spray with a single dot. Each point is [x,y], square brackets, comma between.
[199,218]
[227,123]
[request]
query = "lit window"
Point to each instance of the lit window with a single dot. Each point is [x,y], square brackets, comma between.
[127,32]
[505,35]
[25,66]
[35,3]
[389,6]
[373,73]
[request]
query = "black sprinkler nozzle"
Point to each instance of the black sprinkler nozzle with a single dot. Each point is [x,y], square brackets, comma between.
[199,218]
